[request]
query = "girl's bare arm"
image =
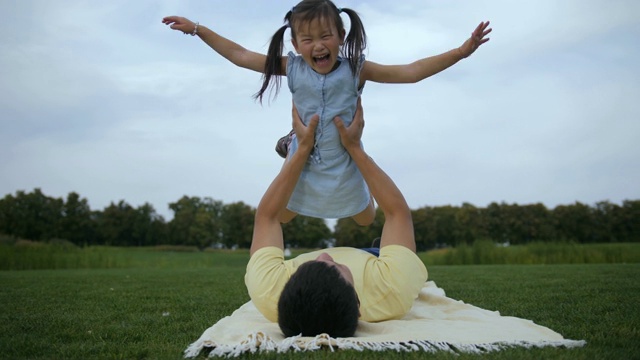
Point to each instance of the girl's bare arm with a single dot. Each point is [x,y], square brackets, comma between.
[424,68]
[228,49]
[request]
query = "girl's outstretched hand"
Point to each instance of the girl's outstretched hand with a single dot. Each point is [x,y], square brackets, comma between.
[477,38]
[179,23]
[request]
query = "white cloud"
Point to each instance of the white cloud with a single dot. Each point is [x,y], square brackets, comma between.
[104,100]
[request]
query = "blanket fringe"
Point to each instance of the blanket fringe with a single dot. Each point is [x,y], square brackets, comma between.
[259,342]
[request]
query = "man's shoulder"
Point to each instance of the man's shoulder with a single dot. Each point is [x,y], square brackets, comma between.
[397,250]
[265,254]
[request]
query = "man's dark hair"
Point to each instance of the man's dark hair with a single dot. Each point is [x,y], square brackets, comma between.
[316,300]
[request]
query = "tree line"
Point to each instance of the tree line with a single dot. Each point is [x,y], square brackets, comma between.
[201,222]
[449,226]
[205,222]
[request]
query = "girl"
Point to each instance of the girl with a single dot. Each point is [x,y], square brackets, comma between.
[326,78]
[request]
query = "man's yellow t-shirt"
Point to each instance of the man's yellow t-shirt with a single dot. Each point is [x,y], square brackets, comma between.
[386,285]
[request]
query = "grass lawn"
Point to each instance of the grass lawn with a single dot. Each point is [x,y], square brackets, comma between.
[155,312]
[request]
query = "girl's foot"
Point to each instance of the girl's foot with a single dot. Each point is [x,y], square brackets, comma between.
[282,146]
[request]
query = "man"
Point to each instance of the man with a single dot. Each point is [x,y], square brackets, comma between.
[326,291]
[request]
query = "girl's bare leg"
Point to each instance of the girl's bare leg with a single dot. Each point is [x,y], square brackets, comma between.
[367,215]
[286,215]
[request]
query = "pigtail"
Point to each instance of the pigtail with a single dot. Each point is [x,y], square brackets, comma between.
[356,40]
[273,64]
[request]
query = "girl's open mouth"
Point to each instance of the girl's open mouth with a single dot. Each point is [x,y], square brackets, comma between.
[321,60]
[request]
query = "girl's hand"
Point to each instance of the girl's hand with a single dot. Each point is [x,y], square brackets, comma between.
[477,38]
[179,23]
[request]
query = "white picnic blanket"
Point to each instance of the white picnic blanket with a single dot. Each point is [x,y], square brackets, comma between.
[435,323]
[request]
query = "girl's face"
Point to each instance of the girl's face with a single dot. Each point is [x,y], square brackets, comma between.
[318,42]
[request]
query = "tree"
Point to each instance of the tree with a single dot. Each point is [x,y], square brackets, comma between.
[122,225]
[471,224]
[606,219]
[349,233]
[149,228]
[630,219]
[424,228]
[76,224]
[116,224]
[196,222]
[32,216]
[446,227]
[237,224]
[497,222]
[529,223]
[8,215]
[306,232]
[574,223]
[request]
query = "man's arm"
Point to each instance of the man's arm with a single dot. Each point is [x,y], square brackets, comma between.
[267,230]
[398,225]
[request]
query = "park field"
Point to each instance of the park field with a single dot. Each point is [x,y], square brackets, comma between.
[149,304]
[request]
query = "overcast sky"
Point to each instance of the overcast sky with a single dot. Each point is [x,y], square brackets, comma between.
[102,99]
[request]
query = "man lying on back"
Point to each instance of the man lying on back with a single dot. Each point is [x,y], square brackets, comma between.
[327,291]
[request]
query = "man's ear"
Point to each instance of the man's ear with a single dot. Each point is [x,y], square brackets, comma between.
[295,45]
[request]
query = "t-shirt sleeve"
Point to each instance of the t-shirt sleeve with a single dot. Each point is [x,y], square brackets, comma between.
[398,275]
[293,62]
[265,278]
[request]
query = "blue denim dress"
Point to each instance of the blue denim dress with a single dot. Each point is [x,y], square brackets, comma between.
[330,186]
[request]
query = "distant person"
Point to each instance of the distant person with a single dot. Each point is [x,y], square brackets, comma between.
[326,77]
[326,291]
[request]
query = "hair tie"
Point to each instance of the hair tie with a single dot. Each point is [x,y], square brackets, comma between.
[339,10]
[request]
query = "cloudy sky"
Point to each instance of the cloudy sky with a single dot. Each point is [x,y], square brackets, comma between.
[102,99]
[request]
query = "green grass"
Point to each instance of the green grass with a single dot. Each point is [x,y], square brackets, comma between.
[486,252]
[118,313]
[164,301]
[27,255]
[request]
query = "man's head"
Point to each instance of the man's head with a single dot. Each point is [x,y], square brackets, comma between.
[319,298]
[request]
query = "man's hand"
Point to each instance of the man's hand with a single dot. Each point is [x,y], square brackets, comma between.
[304,133]
[477,38]
[350,136]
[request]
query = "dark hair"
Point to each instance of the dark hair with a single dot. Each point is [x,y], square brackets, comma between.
[305,11]
[316,300]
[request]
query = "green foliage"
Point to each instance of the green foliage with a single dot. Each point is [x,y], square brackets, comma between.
[349,233]
[31,255]
[196,222]
[487,252]
[76,224]
[204,222]
[30,215]
[122,225]
[237,228]
[306,232]
[522,224]
[61,254]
